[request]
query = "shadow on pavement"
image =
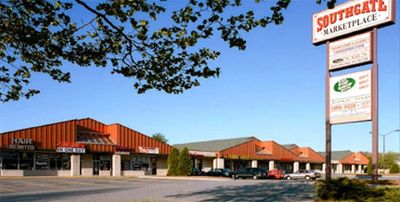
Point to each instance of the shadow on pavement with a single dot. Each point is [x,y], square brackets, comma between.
[281,191]
[55,195]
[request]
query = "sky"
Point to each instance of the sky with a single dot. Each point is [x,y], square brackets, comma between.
[274,90]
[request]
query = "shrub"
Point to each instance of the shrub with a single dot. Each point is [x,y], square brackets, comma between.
[173,162]
[395,168]
[347,189]
[184,163]
[369,166]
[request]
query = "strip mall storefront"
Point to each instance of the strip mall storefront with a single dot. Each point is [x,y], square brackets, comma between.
[246,152]
[83,147]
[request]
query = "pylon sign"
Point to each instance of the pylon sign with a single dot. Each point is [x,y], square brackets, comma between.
[352,97]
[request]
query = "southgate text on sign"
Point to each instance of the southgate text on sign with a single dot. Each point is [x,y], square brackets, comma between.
[351,17]
[350,51]
[350,97]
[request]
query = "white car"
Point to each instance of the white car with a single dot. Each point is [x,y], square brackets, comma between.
[303,174]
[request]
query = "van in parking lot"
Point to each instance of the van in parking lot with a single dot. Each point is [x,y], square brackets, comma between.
[254,173]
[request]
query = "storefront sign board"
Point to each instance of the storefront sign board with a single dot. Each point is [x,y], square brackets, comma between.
[351,17]
[350,51]
[21,146]
[350,97]
[71,150]
[149,150]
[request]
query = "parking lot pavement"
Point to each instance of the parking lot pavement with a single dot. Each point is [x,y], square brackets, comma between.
[135,189]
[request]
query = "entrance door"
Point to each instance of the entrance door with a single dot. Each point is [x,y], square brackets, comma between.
[96,165]
[153,166]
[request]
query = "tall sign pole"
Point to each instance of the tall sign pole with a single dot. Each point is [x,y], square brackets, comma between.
[346,30]
[375,130]
[328,146]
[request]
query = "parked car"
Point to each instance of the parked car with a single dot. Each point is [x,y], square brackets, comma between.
[303,174]
[254,173]
[220,172]
[197,172]
[275,174]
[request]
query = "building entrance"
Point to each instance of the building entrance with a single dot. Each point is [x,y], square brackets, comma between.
[96,165]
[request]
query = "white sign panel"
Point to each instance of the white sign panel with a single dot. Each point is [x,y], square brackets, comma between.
[350,51]
[71,150]
[350,17]
[149,150]
[350,97]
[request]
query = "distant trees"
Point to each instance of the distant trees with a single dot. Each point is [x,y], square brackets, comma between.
[386,161]
[179,163]
[185,163]
[159,137]
[173,162]
[395,168]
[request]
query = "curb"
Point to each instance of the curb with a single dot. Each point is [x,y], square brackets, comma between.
[184,178]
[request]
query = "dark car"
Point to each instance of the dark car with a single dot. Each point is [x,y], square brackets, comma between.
[254,173]
[220,172]
[197,172]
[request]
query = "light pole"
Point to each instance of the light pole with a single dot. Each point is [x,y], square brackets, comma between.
[383,148]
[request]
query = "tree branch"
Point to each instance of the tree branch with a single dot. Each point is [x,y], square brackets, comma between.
[104,17]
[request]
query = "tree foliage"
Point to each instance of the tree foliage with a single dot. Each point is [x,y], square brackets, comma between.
[39,36]
[160,137]
[395,168]
[173,162]
[185,163]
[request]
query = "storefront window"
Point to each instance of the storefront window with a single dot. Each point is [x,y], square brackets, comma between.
[105,162]
[9,160]
[66,161]
[42,161]
[125,163]
[53,161]
[26,161]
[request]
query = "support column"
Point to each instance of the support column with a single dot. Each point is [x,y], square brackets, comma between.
[353,168]
[254,163]
[215,164]
[75,167]
[308,166]
[323,167]
[220,163]
[295,166]
[359,169]
[116,165]
[271,165]
[340,168]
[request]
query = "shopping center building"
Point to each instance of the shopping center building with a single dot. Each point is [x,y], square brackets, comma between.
[244,152]
[251,152]
[81,147]
[348,162]
[86,147]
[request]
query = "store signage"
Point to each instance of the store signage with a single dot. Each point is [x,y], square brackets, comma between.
[350,97]
[71,150]
[122,150]
[149,150]
[21,144]
[351,17]
[350,51]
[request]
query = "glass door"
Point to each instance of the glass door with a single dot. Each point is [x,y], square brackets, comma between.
[96,165]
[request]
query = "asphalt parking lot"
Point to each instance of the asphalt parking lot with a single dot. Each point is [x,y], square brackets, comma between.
[152,189]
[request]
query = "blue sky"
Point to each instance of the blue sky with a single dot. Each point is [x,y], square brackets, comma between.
[274,90]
